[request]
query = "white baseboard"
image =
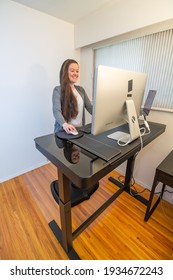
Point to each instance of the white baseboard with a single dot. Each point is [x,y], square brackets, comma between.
[23,171]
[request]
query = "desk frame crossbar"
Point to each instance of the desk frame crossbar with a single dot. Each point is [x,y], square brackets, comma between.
[97,213]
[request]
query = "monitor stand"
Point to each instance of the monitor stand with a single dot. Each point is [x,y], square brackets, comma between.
[134,131]
[133,120]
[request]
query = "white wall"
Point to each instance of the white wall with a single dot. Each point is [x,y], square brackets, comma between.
[33,46]
[119,17]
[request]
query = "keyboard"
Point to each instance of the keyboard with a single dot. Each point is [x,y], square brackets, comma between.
[86,128]
[96,147]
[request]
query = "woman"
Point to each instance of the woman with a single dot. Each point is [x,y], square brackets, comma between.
[69,100]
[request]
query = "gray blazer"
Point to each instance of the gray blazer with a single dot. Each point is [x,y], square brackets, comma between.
[56,100]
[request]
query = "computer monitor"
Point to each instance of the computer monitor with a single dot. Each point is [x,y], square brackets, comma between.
[113,87]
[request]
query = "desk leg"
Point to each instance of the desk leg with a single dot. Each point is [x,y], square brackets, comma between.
[129,172]
[65,211]
[128,175]
[128,178]
[64,235]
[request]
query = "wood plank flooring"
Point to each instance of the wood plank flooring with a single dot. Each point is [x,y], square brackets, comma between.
[119,233]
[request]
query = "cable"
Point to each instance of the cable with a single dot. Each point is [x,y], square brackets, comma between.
[140,136]
[121,143]
[155,193]
[146,129]
[121,140]
[121,179]
[147,126]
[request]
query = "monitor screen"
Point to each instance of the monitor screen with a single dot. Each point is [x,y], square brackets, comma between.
[113,86]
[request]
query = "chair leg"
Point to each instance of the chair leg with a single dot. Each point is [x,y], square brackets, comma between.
[150,210]
[148,213]
[163,188]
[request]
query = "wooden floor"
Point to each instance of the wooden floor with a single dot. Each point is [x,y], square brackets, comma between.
[118,233]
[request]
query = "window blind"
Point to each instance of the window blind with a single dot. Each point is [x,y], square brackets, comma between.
[152,54]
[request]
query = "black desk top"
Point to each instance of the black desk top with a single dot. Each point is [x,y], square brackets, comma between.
[83,168]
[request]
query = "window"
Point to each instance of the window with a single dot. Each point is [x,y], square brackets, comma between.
[152,54]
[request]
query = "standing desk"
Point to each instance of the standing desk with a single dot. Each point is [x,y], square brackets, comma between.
[84,173]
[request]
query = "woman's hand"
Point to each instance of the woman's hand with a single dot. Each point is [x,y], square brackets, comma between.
[68,128]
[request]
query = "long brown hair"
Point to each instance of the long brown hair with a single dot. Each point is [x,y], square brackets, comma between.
[68,101]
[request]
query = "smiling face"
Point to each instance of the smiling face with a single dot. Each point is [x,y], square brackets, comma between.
[73,73]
